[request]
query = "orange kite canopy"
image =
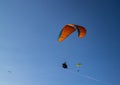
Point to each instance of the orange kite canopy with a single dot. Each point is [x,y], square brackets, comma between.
[70,28]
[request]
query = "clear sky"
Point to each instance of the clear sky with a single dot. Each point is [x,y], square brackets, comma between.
[31,55]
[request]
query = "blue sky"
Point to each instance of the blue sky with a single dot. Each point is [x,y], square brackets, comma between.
[29,48]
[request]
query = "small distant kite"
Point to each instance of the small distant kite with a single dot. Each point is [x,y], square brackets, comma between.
[9,71]
[78,65]
[70,28]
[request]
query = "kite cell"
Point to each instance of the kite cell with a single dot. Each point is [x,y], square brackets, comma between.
[69,29]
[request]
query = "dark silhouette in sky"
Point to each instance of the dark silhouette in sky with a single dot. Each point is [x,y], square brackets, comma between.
[64,65]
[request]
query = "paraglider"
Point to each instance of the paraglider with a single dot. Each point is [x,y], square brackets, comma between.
[65,32]
[70,28]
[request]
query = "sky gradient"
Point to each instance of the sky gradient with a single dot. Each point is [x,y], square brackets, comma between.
[29,49]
